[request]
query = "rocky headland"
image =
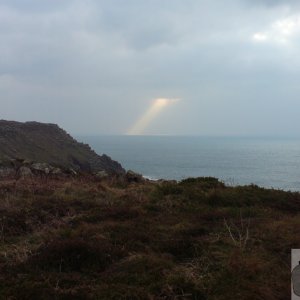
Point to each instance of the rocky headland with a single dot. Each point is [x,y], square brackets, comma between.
[38,148]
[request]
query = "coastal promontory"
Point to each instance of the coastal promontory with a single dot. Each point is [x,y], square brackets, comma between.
[48,143]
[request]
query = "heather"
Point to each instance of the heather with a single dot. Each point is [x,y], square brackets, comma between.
[88,238]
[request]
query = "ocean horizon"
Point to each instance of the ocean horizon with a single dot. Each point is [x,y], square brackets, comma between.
[270,162]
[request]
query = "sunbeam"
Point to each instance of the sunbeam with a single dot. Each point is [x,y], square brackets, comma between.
[153,111]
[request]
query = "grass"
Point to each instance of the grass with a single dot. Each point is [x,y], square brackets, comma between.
[81,238]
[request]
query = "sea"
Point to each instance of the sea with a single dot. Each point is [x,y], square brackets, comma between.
[267,162]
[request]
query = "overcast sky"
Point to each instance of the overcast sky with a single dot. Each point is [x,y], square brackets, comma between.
[96,66]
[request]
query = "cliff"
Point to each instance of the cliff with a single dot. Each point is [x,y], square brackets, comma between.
[48,143]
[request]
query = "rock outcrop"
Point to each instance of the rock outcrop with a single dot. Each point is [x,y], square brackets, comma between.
[52,148]
[24,169]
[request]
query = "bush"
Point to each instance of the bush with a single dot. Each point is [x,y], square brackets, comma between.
[76,254]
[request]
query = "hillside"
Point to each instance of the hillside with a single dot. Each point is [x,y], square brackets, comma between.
[50,144]
[82,238]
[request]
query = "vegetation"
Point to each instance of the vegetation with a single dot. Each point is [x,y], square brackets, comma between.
[39,142]
[81,238]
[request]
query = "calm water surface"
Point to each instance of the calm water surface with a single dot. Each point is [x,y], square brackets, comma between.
[266,162]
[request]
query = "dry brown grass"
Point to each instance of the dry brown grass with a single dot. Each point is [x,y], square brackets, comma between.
[81,238]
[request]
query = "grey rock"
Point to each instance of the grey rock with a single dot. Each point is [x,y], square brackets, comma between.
[56,171]
[72,172]
[24,172]
[101,174]
[42,168]
[27,162]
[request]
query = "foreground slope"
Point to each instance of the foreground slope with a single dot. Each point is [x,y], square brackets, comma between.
[81,238]
[50,144]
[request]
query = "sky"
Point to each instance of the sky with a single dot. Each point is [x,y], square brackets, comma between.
[115,67]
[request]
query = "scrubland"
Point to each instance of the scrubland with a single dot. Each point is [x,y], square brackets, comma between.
[85,238]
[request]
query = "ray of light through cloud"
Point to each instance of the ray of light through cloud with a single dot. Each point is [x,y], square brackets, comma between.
[157,106]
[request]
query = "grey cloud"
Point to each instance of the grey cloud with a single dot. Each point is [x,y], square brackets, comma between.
[33,6]
[101,62]
[272,2]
